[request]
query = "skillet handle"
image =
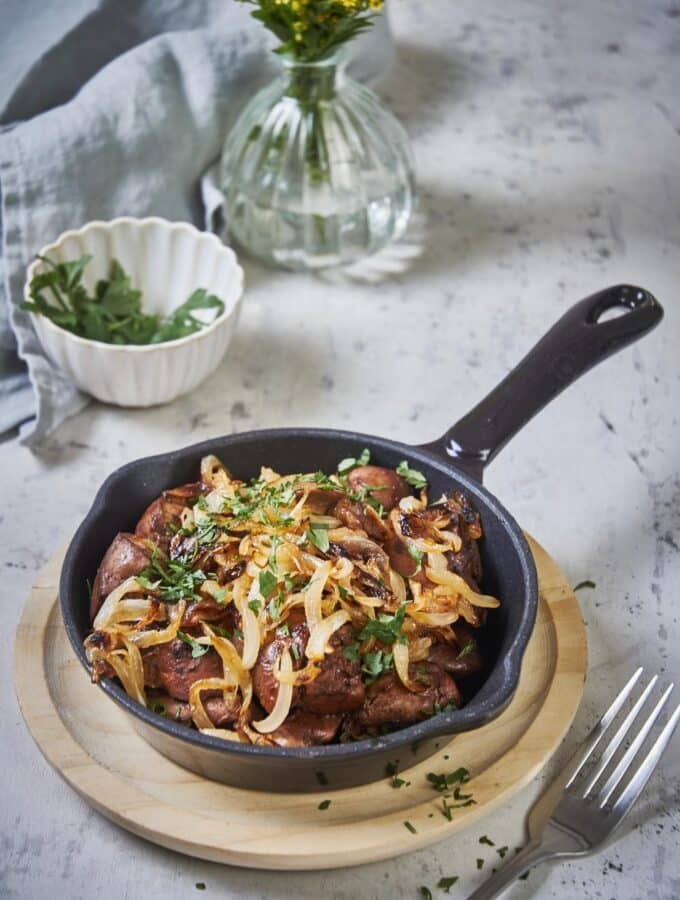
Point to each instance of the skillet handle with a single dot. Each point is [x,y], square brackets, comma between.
[576,343]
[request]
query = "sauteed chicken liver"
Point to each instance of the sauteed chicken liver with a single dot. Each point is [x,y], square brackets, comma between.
[294,610]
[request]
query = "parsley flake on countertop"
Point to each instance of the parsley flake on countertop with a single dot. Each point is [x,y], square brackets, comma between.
[410,827]
[486,840]
[447,883]
[324,804]
[425,892]
[113,314]
[585,584]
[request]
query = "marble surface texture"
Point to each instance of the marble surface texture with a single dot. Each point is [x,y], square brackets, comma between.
[547,143]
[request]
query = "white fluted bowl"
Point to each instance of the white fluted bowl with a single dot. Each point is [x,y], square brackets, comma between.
[167,261]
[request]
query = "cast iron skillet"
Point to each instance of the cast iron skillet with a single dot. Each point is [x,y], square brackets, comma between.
[456,461]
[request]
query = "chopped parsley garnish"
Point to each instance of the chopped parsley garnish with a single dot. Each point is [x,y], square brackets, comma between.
[267,581]
[444,782]
[501,851]
[447,707]
[324,804]
[462,799]
[410,827]
[175,580]
[425,892]
[255,606]
[158,708]
[446,810]
[374,663]
[386,628]
[318,535]
[200,885]
[284,629]
[585,584]
[391,772]
[196,648]
[416,555]
[294,650]
[274,608]
[445,884]
[486,840]
[468,648]
[411,476]
[346,465]
[480,863]
[351,652]
[276,543]
[219,595]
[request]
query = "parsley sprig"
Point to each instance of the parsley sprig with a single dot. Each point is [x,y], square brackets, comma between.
[113,313]
[386,628]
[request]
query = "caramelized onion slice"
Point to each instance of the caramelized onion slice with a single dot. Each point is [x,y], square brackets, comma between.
[198,713]
[321,633]
[299,676]
[284,698]
[249,624]
[400,654]
[461,587]
[150,637]
[314,594]
[215,475]
[127,664]
[108,607]
[233,666]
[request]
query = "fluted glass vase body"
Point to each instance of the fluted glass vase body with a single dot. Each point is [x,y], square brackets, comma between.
[316,171]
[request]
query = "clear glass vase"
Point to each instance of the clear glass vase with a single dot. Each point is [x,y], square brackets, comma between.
[316,171]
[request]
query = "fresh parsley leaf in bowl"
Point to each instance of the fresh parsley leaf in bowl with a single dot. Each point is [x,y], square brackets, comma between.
[109,305]
[113,313]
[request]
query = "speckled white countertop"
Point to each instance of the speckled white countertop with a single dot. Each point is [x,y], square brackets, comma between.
[546,138]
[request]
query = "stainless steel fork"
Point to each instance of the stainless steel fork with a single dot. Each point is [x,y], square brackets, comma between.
[592,806]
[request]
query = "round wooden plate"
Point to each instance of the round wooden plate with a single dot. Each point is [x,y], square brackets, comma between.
[90,742]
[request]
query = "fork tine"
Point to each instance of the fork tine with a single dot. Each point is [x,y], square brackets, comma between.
[619,736]
[642,775]
[582,755]
[613,781]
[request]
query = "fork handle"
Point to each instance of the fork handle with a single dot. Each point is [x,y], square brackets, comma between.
[534,852]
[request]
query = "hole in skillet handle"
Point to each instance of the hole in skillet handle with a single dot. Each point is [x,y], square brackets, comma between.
[622,300]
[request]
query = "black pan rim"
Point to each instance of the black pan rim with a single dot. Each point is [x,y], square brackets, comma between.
[500,685]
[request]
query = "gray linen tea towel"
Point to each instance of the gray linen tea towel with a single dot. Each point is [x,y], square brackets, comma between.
[121,115]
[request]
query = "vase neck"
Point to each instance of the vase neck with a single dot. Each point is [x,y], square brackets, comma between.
[311,82]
